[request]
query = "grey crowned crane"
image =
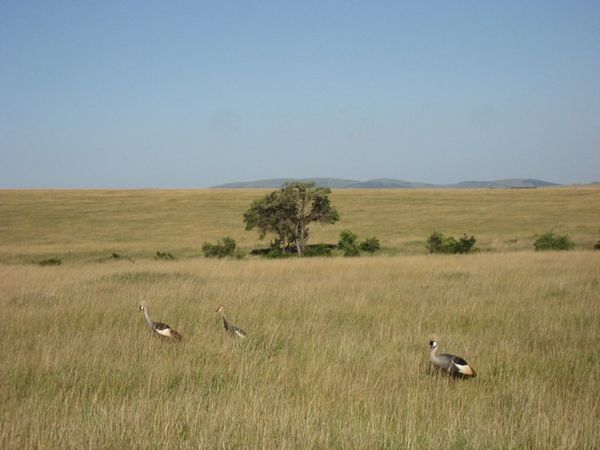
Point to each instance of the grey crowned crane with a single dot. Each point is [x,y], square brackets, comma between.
[162,329]
[454,365]
[230,328]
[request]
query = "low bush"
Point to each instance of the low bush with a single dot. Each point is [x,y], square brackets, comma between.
[164,256]
[225,247]
[348,243]
[438,243]
[277,252]
[551,241]
[50,262]
[465,244]
[317,250]
[370,245]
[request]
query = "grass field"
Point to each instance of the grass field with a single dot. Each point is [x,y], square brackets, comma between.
[337,351]
[89,225]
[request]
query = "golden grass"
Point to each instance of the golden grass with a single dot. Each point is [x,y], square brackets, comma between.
[87,225]
[336,355]
[337,351]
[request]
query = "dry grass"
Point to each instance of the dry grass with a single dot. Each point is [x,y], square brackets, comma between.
[336,355]
[85,225]
[337,350]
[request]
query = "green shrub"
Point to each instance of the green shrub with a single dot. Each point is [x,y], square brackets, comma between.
[465,244]
[351,251]
[438,243]
[225,247]
[348,243]
[370,245]
[347,237]
[551,241]
[165,256]
[276,252]
[317,250]
[50,262]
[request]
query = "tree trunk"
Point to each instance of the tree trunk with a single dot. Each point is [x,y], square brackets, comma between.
[300,227]
[299,238]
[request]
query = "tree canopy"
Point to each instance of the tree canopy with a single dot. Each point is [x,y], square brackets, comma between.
[287,212]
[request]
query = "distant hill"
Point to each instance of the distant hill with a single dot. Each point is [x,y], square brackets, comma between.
[388,183]
[274,183]
[507,183]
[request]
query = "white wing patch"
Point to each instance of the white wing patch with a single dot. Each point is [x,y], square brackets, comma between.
[164,332]
[240,334]
[463,369]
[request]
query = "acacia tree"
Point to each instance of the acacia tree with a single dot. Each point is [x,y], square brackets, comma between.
[286,213]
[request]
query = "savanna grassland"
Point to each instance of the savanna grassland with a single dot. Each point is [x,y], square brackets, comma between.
[336,354]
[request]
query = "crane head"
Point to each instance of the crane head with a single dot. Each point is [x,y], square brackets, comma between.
[433,345]
[220,309]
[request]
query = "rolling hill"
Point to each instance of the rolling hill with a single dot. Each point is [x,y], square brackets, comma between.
[388,183]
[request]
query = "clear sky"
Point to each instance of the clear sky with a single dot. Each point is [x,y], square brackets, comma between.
[192,94]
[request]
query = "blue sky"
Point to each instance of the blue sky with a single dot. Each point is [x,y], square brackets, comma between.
[193,94]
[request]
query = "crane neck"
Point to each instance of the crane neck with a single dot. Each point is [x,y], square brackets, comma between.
[150,322]
[433,356]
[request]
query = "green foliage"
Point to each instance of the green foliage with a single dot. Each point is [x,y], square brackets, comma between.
[347,238]
[348,243]
[551,241]
[438,243]
[225,247]
[465,244]
[50,262]
[370,245]
[164,256]
[317,250]
[286,213]
[277,252]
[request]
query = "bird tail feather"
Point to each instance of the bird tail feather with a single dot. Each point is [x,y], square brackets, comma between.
[176,334]
[466,370]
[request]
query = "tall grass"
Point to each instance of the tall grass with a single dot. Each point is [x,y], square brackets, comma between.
[337,350]
[336,356]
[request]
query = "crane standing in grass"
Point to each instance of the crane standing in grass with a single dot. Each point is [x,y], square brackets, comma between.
[454,365]
[231,329]
[160,328]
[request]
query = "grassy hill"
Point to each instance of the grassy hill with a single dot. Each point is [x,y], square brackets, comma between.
[336,354]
